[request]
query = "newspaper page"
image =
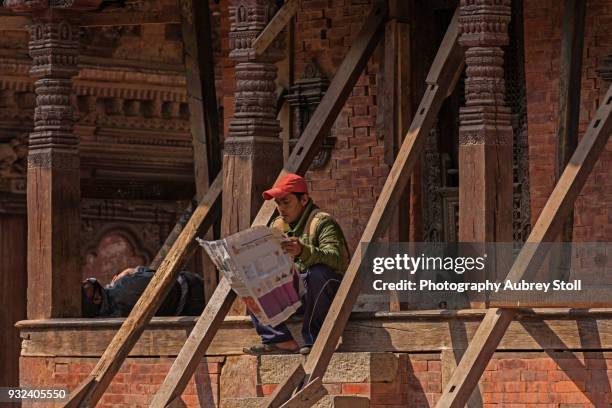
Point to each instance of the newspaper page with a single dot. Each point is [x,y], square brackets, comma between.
[259,271]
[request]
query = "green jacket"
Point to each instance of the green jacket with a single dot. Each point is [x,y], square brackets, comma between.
[321,237]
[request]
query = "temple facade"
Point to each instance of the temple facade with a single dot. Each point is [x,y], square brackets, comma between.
[107,135]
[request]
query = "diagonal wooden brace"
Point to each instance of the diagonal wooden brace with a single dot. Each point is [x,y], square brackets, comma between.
[149,302]
[549,224]
[442,76]
[294,381]
[307,396]
[275,26]
[301,157]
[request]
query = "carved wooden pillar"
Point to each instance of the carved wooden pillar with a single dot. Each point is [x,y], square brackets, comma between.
[53,175]
[253,151]
[53,181]
[485,134]
[485,139]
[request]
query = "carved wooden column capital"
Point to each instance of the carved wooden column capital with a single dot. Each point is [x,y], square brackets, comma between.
[255,97]
[248,18]
[54,47]
[483,25]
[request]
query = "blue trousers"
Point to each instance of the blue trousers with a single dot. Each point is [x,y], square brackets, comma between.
[321,283]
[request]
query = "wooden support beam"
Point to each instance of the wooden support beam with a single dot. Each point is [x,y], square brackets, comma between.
[307,396]
[294,380]
[448,61]
[177,403]
[198,57]
[80,392]
[396,114]
[149,302]
[485,138]
[570,75]
[53,174]
[459,388]
[570,83]
[174,234]
[275,26]
[201,93]
[547,227]
[301,157]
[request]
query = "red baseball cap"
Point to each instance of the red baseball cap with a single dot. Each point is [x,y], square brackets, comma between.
[289,183]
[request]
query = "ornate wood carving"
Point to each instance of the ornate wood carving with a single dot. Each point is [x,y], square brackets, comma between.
[485,134]
[514,66]
[53,174]
[484,28]
[13,156]
[255,98]
[433,230]
[304,96]
[253,150]
[53,179]
[148,111]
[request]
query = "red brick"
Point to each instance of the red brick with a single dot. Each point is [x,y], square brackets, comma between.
[356,388]
[434,366]
[568,386]
[267,389]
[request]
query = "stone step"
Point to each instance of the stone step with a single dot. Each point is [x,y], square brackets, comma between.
[364,367]
[328,401]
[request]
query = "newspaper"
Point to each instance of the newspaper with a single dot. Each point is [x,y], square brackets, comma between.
[259,271]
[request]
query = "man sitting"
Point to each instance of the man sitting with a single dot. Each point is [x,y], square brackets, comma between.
[321,256]
[186,298]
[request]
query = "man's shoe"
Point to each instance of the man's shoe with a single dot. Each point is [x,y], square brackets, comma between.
[268,348]
[305,350]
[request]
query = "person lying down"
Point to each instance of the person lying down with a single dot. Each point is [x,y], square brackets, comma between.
[186,298]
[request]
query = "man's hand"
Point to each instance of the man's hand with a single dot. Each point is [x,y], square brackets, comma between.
[292,246]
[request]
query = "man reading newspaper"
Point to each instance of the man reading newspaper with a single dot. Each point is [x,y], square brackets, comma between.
[321,256]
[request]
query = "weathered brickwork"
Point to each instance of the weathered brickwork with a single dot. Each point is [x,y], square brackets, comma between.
[542,52]
[352,179]
[133,386]
[349,184]
[519,380]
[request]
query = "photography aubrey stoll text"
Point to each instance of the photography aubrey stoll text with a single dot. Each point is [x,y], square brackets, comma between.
[486,286]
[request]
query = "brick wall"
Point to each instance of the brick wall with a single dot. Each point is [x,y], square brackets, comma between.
[348,185]
[133,386]
[520,380]
[542,52]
